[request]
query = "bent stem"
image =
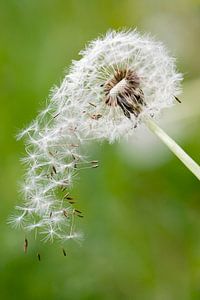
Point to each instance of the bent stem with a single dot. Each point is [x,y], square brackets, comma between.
[174,147]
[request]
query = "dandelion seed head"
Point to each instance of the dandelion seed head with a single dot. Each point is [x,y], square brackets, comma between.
[121,78]
[122,73]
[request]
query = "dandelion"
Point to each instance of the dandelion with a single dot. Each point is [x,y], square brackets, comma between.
[122,81]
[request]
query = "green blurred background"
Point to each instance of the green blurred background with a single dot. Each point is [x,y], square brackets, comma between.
[141,207]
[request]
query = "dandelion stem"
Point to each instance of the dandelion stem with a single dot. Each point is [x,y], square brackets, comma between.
[174,147]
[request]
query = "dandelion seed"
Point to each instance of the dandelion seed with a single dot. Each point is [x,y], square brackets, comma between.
[76,236]
[39,256]
[49,233]
[17,221]
[64,252]
[34,226]
[123,81]
[25,245]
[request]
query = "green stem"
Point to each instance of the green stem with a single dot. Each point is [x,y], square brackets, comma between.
[174,147]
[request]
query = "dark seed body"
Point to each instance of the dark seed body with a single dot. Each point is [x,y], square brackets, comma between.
[25,245]
[64,252]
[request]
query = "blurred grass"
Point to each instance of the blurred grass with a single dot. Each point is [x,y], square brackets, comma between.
[142,226]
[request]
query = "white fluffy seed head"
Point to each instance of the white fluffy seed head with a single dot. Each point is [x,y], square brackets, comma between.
[121,78]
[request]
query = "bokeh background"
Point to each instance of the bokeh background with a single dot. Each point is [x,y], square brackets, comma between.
[141,206]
